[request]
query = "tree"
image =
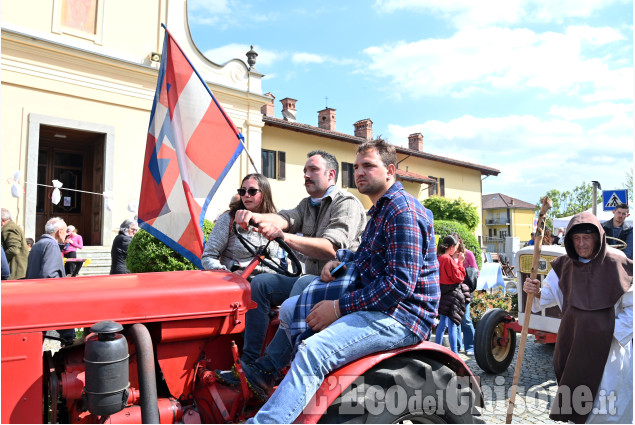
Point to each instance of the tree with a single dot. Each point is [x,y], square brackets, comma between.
[628,184]
[569,202]
[148,254]
[443,228]
[453,210]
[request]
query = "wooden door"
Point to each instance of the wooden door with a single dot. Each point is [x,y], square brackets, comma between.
[71,160]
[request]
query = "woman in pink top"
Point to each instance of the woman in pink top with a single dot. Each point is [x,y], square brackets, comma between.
[72,243]
[452,303]
[465,334]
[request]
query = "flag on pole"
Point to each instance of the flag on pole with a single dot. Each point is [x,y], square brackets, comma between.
[191,146]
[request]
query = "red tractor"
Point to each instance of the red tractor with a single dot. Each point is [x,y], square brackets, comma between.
[154,341]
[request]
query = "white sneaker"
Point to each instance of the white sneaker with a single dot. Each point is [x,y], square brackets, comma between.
[469,353]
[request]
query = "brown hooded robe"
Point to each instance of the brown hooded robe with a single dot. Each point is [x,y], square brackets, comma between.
[590,292]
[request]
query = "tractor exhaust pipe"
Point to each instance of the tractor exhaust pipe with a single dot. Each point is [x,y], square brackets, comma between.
[147,377]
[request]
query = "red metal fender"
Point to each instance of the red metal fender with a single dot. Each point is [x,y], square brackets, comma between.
[340,379]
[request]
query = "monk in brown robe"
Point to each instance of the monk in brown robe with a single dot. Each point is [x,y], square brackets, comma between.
[593,354]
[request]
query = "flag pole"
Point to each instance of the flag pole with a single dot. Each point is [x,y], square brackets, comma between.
[240,136]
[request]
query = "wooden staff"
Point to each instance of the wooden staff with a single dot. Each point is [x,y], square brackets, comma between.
[540,232]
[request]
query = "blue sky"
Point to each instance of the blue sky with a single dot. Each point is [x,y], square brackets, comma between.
[541,90]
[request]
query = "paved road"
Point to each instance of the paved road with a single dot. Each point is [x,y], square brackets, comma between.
[536,387]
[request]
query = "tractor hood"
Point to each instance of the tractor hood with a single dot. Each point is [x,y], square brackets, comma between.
[76,302]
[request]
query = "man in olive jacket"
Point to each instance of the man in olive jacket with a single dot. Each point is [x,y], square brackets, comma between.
[15,247]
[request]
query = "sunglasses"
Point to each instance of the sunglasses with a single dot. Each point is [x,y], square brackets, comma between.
[252,191]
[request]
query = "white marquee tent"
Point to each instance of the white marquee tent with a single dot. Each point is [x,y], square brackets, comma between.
[602,215]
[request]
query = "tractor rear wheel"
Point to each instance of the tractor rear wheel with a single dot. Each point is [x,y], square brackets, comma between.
[492,354]
[404,389]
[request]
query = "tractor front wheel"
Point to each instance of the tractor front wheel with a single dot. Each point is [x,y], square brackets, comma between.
[492,352]
[404,389]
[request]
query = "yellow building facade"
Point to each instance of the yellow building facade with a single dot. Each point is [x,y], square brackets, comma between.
[422,174]
[77,90]
[506,216]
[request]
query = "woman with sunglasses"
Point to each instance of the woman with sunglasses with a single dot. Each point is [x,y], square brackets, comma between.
[223,249]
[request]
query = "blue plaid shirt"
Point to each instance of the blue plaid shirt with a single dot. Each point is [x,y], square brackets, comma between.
[397,263]
[318,291]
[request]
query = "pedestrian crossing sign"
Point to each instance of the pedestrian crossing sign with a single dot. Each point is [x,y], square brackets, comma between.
[613,198]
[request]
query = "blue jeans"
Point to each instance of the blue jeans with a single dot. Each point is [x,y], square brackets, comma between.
[349,338]
[267,289]
[277,356]
[445,322]
[465,337]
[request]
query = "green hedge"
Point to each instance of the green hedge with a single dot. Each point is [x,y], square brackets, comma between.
[453,210]
[442,228]
[148,254]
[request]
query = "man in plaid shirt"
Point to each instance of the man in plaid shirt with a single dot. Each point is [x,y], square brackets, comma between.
[393,305]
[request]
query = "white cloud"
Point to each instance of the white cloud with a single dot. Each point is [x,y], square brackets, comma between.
[228,52]
[209,6]
[470,137]
[226,14]
[464,13]
[307,58]
[481,60]
[207,12]
[534,154]
[603,109]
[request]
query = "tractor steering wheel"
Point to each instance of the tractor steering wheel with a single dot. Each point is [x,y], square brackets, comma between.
[266,258]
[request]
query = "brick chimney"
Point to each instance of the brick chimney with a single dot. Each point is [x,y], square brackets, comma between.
[364,128]
[415,142]
[269,108]
[326,119]
[288,109]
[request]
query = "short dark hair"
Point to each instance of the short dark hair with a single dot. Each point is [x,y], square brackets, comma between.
[622,205]
[331,161]
[386,151]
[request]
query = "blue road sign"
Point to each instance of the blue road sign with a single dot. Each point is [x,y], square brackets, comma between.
[614,197]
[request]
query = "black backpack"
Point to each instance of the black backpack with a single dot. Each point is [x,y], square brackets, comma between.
[471,277]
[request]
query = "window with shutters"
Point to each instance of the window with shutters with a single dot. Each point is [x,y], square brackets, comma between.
[348,175]
[282,165]
[274,164]
[432,187]
[437,188]
[269,163]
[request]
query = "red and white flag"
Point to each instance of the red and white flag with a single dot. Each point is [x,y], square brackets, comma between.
[191,146]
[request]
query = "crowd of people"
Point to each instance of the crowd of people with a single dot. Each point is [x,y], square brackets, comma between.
[398,284]
[54,255]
